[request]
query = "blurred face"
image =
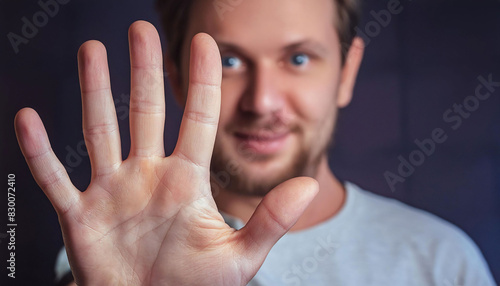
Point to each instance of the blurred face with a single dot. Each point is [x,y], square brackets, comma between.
[281,71]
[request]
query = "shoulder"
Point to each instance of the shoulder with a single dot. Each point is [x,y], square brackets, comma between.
[378,210]
[432,239]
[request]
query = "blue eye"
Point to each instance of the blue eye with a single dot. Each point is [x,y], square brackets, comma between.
[299,59]
[231,62]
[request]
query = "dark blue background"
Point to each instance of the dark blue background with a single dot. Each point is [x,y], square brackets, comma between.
[425,60]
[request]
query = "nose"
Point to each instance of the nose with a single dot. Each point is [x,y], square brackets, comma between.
[264,95]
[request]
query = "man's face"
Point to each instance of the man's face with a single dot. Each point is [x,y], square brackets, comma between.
[281,73]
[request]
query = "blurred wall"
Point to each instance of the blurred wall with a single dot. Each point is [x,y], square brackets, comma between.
[418,64]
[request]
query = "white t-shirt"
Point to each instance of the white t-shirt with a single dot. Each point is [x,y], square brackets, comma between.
[371,241]
[374,240]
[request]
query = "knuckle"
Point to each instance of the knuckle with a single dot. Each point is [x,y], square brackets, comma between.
[142,104]
[52,178]
[99,129]
[201,117]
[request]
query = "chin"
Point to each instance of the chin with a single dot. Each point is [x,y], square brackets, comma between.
[257,175]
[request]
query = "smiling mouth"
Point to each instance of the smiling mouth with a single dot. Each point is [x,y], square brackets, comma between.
[262,143]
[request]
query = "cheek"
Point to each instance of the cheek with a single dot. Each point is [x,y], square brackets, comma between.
[316,101]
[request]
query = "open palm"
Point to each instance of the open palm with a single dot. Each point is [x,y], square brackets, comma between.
[151,219]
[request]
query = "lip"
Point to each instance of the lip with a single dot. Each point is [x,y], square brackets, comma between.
[262,143]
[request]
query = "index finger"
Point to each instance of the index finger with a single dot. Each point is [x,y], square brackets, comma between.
[201,113]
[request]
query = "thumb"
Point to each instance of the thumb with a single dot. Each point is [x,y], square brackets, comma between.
[276,214]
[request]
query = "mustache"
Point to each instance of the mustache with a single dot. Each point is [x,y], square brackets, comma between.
[272,124]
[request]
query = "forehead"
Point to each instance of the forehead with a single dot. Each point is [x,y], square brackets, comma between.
[264,23]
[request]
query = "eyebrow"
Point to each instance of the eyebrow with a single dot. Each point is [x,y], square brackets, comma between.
[305,44]
[309,45]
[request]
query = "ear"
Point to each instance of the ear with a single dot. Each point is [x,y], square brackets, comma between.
[350,72]
[175,81]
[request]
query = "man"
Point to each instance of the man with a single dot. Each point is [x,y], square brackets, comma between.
[287,66]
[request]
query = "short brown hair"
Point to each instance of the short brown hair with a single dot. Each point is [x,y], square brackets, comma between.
[174,16]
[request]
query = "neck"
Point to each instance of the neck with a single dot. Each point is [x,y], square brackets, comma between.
[326,204]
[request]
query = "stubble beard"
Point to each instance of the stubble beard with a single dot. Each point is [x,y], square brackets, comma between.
[240,180]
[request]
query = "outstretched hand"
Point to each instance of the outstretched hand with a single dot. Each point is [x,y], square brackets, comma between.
[151,219]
